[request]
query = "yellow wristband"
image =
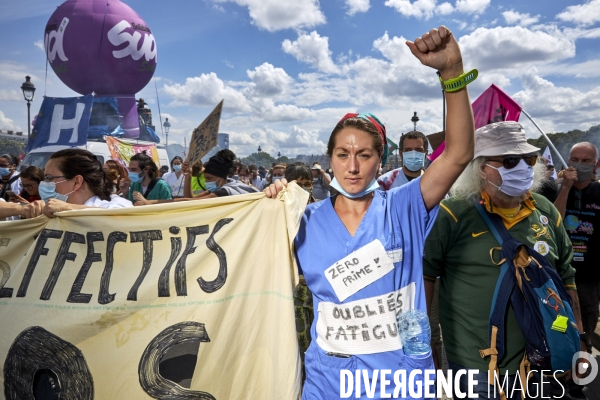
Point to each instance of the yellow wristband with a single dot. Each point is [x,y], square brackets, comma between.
[456,84]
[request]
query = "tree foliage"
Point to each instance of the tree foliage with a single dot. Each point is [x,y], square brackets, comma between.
[564,141]
[11,146]
[260,158]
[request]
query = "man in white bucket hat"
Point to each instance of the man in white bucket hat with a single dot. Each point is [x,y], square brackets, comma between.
[501,177]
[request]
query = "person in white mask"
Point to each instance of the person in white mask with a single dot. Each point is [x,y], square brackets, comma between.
[413,146]
[175,179]
[460,249]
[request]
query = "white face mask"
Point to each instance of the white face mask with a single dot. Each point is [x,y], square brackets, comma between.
[515,181]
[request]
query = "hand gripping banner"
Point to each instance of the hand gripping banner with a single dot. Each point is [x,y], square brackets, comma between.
[181,300]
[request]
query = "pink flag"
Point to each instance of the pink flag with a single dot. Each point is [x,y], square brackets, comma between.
[494,105]
[437,152]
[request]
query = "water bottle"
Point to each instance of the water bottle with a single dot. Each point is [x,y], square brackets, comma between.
[415,332]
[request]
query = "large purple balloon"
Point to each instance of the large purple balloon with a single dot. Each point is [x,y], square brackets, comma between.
[102,46]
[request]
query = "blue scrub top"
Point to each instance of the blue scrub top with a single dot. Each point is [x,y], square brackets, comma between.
[397,218]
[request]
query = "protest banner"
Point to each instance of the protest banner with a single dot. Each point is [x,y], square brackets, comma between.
[205,135]
[111,301]
[61,121]
[122,151]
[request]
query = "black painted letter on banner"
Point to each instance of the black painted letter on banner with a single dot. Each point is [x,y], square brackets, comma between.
[76,296]
[39,250]
[147,237]
[63,255]
[180,276]
[5,269]
[103,296]
[213,286]
[163,280]
[37,349]
[151,381]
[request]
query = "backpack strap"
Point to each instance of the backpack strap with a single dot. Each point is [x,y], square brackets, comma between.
[502,293]
[494,222]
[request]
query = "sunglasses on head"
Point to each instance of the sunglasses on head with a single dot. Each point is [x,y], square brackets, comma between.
[510,162]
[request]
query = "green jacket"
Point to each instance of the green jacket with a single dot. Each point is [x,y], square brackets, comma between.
[160,191]
[458,250]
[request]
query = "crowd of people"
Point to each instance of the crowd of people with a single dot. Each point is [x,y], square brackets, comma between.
[423,220]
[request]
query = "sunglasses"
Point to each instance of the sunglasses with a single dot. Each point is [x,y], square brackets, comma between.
[510,162]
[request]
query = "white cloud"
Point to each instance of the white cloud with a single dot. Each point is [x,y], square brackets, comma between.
[400,78]
[462,25]
[228,63]
[585,69]
[444,9]
[295,115]
[578,33]
[274,15]
[514,17]
[298,140]
[312,49]
[582,14]
[11,95]
[472,6]
[268,111]
[556,107]
[207,90]
[484,81]
[513,48]
[356,6]
[425,9]
[268,81]
[419,9]
[315,88]
[8,124]
[40,45]
[13,72]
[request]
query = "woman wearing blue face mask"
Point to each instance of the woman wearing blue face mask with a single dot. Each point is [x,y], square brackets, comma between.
[74,179]
[361,251]
[176,178]
[143,180]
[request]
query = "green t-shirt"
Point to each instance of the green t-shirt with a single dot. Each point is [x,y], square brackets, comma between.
[160,191]
[458,251]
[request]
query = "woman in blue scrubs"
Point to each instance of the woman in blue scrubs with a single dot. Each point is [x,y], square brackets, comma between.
[361,251]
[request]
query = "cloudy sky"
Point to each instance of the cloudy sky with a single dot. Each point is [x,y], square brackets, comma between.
[289,69]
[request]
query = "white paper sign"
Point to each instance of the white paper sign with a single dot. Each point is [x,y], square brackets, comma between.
[364,326]
[359,269]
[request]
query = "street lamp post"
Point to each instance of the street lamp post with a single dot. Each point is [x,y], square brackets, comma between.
[28,92]
[414,120]
[167,125]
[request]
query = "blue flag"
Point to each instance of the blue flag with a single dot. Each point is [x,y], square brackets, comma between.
[62,121]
